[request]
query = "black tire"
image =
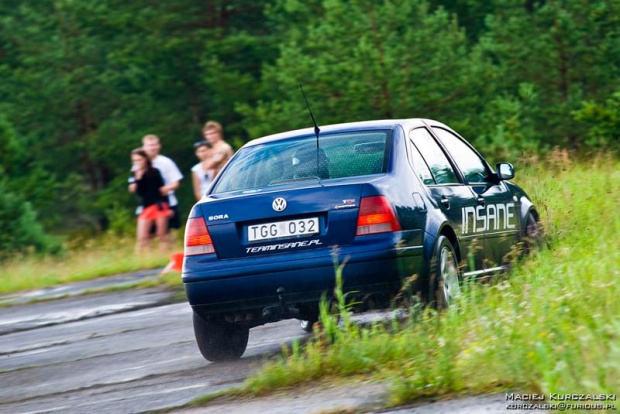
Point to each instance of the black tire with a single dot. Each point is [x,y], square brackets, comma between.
[219,340]
[445,276]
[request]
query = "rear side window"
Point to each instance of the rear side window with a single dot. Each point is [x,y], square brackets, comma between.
[280,162]
[420,166]
[440,167]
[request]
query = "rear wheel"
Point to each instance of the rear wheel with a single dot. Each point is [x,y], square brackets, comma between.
[219,340]
[444,284]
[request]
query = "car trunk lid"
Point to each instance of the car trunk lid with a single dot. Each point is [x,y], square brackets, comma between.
[257,224]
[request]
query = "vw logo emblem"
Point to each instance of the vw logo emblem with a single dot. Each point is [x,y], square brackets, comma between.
[279,204]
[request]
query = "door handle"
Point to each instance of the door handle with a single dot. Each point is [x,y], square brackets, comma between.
[481,201]
[444,200]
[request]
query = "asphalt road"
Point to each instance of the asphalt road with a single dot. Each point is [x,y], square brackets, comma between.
[115,353]
[131,351]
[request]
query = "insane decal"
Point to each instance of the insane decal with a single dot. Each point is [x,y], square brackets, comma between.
[283,246]
[488,218]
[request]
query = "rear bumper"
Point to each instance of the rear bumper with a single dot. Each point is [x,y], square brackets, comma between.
[251,283]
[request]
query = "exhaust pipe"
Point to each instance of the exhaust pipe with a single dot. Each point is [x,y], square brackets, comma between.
[281,310]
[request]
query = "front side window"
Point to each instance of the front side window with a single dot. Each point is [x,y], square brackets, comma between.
[437,162]
[280,162]
[470,164]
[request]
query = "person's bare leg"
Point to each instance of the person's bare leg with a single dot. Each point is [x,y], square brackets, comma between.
[162,234]
[142,235]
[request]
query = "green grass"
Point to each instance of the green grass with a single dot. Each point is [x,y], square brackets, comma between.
[98,257]
[170,281]
[551,325]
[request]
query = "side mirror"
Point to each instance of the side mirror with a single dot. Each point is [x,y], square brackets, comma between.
[505,171]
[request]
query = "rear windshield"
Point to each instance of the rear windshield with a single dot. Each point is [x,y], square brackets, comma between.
[339,155]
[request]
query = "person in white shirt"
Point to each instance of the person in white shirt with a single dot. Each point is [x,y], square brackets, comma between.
[170,172]
[201,178]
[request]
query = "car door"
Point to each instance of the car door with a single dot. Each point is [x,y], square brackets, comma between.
[446,187]
[497,211]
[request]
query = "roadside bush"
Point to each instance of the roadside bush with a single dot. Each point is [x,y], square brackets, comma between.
[603,122]
[19,230]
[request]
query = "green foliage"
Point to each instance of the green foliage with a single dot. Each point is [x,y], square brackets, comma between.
[551,325]
[508,122]
[19,230]
[603,122]
[569,51]
[84,81]
[366,60]
[471,14]
[10,150]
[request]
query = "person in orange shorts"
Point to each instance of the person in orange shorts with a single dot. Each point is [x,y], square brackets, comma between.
[147,183]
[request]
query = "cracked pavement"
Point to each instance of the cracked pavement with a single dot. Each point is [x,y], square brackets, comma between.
[133,351]
[118,352]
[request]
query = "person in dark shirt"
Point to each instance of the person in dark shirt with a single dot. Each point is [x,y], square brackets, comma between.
[148,183]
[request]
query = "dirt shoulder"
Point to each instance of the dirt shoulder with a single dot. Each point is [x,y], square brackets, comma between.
[358,397]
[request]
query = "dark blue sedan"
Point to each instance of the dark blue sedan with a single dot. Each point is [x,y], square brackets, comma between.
[397,197]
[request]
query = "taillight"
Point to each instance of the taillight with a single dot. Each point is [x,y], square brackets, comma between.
[376,215]
[197,238]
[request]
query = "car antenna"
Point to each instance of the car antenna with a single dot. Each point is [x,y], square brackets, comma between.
[317,130]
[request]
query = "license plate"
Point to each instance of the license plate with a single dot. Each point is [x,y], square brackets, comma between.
[282,229]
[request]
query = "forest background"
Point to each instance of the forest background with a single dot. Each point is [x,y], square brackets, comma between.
[82,82]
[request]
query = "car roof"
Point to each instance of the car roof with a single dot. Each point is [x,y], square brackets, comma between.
[346,127]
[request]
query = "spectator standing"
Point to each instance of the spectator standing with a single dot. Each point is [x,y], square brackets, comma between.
[220,151]
[170,172]
[201,178]
[148,183]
